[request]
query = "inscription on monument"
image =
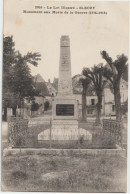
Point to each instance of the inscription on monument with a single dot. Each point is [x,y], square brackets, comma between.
[65,109]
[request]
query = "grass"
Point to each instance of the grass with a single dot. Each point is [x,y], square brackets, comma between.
[62,173]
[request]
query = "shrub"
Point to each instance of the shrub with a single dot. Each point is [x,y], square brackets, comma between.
[35,106]
[46,105]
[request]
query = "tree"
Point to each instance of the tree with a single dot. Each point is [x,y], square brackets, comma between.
[8,60]
[17,78]
[95,74]
[21,81]
[114,72]
[85,81]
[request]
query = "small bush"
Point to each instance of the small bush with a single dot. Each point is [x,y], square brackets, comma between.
[35,106]
[46,105]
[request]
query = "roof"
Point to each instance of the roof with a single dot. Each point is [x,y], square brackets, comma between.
[55,83]
[38,78]
[48,84]
[40,85]
[108,84]
[42,88]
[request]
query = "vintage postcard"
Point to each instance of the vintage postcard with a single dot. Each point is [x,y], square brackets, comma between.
[65,96]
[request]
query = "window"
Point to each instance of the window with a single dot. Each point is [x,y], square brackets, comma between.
[92,101]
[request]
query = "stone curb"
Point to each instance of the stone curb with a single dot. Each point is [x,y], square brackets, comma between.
[64,152]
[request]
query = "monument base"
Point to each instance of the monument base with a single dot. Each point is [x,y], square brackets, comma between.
[65,130]
[65,108]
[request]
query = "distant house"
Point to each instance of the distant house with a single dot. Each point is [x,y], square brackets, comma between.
[109,102]
[41,87]
[51,89]
[91,97]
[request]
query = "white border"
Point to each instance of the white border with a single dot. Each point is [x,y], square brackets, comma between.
[1,38]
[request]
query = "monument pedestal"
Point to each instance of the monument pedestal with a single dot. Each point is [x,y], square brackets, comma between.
[64,119]
[65,108]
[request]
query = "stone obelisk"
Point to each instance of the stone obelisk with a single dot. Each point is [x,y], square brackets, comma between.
[65,77]
[65,104]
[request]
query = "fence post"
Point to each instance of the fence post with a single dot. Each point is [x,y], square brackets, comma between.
[50,134]
[78,136]
[121,131]
[8,132]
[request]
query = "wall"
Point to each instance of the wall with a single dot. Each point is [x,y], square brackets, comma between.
[89,103]
[109,98]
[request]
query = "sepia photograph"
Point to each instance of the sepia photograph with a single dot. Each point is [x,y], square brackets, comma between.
[65,96]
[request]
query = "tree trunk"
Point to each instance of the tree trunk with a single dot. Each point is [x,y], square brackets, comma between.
[84,104]
[5,114]
[99,107]
[117,98]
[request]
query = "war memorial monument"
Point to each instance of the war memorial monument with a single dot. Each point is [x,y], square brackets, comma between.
[64,106]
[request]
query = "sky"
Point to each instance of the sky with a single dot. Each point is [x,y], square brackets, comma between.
[89,34]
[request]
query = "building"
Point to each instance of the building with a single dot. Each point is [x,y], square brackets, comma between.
[109,103]
[52,91]
[49,90]
[43,95]
[91,98]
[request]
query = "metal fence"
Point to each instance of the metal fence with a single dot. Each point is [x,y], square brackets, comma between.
[41,132]
[17,130]
[114,129]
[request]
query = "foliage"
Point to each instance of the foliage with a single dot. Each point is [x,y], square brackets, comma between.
[114,71]
[85,81]
[35,106]
[8,60]
[95,74]
[17,78]
[21,81]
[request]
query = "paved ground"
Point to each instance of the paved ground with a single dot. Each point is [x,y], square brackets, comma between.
[4,131]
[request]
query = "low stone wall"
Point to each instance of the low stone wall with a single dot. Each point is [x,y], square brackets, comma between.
[64,152]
